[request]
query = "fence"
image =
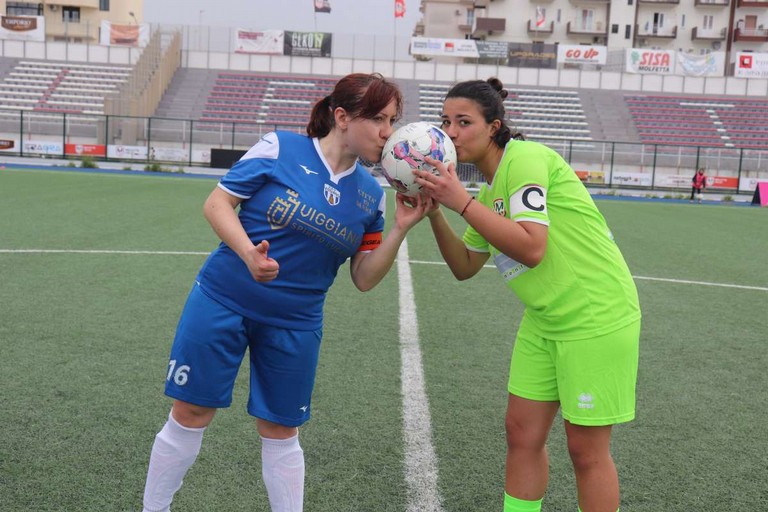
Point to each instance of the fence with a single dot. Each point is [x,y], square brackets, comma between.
[183,142]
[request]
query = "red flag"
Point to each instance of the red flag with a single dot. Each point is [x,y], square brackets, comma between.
[399,8]
[322,5]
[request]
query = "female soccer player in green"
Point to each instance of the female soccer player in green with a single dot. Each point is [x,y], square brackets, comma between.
[577,345]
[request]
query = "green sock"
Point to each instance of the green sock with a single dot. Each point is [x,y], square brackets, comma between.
[517,505]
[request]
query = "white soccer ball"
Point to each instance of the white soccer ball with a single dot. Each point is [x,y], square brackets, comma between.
[405,150]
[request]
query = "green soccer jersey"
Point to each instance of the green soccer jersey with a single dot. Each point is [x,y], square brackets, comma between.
[582,288]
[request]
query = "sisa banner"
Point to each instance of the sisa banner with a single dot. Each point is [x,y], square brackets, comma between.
[642,60]
[114,34]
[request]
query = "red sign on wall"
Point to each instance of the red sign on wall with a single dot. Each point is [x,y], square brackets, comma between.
[85,150]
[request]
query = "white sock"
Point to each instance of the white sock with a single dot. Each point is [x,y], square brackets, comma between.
[173,452]
[282,468]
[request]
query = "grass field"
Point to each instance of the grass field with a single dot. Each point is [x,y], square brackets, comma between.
[94,269]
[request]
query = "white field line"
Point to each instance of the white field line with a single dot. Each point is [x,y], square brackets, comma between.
[417,262]
[643,278]
[420,457]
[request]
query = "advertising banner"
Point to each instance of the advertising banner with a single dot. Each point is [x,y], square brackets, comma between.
[581,54]
[446,47]
[532,55]
[307,44]
[168,154]
[751,65]
[85,149]
[127,152]
[43,147]
[22,28]
[710,64]
[643,60]
[268,42]
[114,34]
[9,145]
[722,182]
[591,177]
[634,179]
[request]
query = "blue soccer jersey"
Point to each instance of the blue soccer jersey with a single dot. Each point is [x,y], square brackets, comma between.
[313,220]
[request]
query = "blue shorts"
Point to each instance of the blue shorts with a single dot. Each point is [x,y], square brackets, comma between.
[208,350]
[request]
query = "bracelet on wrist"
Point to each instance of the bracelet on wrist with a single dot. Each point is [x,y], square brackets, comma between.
[464,210]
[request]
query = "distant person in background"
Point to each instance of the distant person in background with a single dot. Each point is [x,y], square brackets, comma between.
[289,214]
[698,184]
[576,349]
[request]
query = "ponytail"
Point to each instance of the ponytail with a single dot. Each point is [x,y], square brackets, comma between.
[321,119]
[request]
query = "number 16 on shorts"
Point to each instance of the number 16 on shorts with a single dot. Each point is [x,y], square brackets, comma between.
[179,375]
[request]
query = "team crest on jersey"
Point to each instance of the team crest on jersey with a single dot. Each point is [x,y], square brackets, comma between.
[498,207]
[332,195]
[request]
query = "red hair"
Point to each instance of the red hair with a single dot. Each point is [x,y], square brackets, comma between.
[360,95]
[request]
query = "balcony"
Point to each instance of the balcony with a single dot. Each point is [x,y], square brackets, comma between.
[481,4]
[595,30]
[545,30]
[419,29]
[751,35]
[707,34]
[487,26]
[753,3]
[88,4]
[652,31]
[58,30]
[657,2]
[579,2]
[712,3]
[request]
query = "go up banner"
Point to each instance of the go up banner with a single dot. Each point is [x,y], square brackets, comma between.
[581,54]
[22,28]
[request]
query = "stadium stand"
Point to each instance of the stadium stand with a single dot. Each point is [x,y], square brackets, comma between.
[60,87]
[541,114]
[700,121]
[280,100]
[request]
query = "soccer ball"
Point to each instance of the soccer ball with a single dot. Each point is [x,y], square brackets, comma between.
[405,150]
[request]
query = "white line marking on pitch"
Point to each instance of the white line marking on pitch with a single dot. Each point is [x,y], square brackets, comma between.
[418,262]
[420,458]
[643,278]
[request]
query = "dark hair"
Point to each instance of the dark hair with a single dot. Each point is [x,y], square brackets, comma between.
[489,95]
[360,94]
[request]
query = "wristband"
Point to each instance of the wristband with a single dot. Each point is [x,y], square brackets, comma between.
[464,210]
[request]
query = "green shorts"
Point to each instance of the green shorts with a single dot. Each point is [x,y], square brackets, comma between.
[593,379]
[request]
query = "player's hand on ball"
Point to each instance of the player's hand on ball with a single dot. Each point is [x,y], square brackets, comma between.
[262,267]
[445,187]
[411,209]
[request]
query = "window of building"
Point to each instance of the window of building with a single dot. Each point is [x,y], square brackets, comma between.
[103,5]
[628,32]
[615,28]
[23,9]
[708,22]
[70,14]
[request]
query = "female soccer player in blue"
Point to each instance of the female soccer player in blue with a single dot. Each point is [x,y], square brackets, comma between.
[577,345]
[305,206]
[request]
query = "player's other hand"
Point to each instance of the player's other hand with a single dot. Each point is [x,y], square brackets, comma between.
[410,210]
[262,267]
